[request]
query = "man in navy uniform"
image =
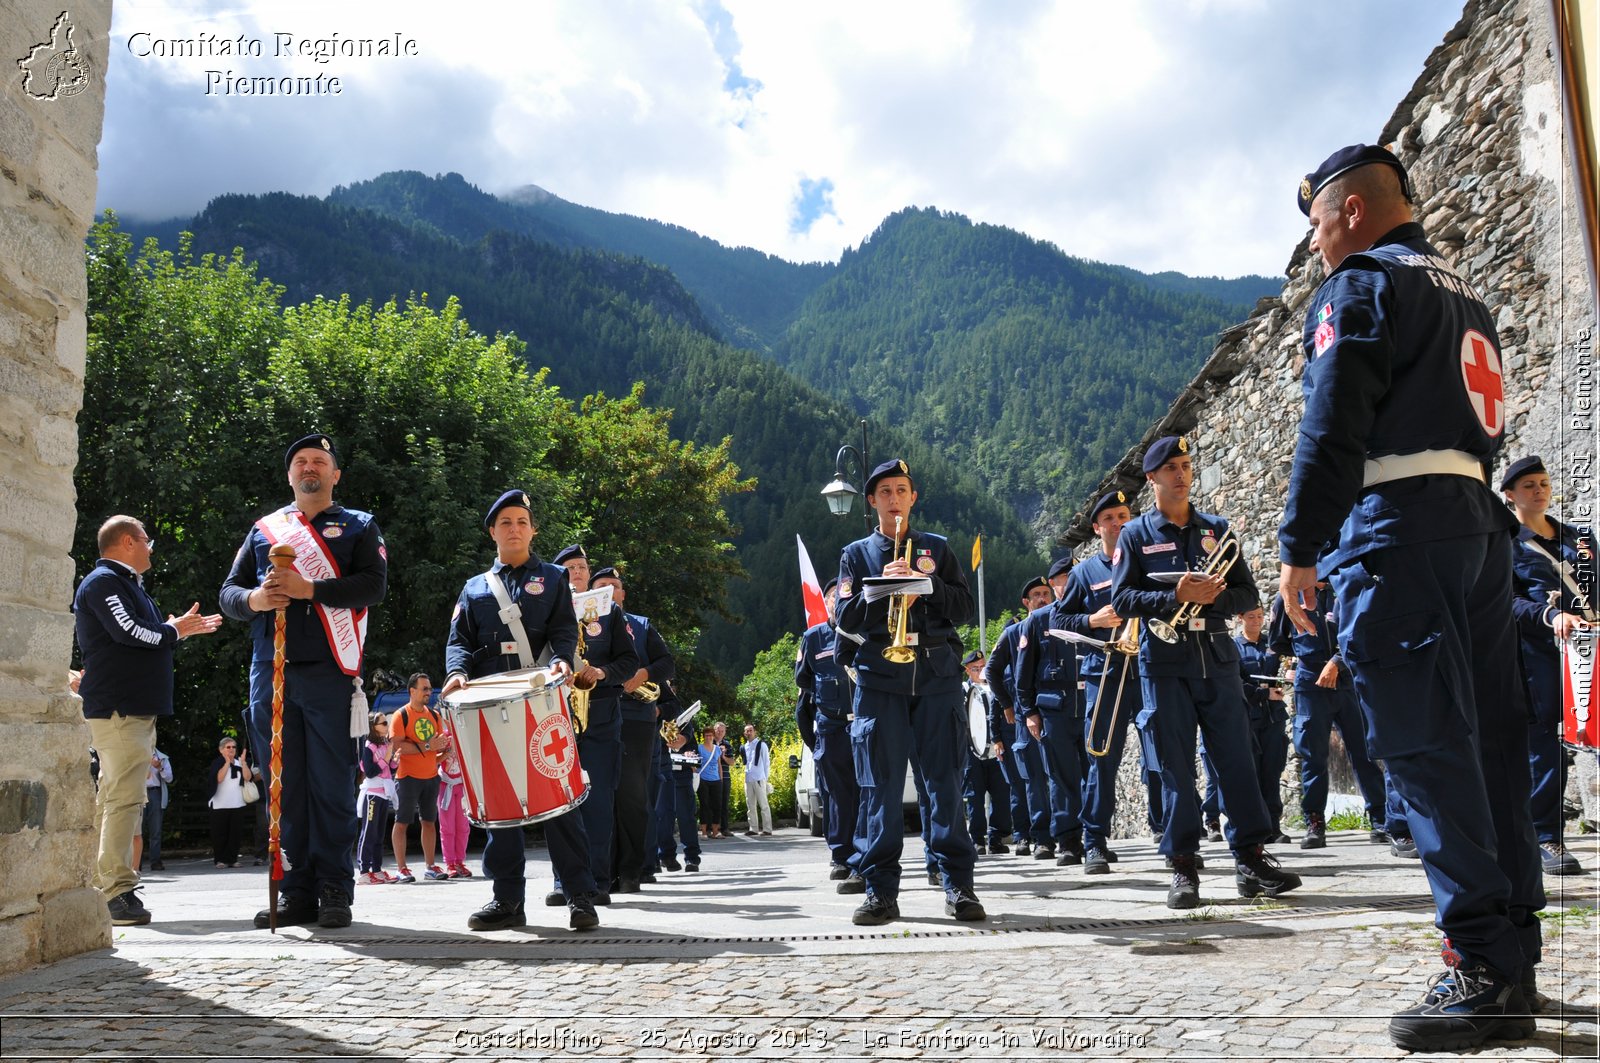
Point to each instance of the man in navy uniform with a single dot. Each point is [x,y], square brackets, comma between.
[826,690]
[1263,696]
[534,625]
[1047,704]
[341,570]
[1324,699]
[1387,499]
[640,735]
[1020,754]
[1193,680]
[984,786]
[914,707]
[1087,603]
[1554,573]
[611,662]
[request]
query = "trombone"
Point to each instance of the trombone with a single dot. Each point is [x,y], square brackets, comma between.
[899,651]
[1126,644]
[1222,559]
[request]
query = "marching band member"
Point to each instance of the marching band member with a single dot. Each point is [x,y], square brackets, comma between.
[984,786]
[341,569]
[1047,703]
[902,708]
[1019,753]
[1404,406]
[484,640]
[1263,697]
[1195,679]
[640,735]
[1555,578]
[827,689]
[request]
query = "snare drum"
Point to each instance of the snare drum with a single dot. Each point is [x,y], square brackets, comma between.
[1579,725]
[518,753]
[978,722]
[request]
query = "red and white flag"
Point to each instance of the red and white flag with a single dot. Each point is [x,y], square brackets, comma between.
[810,588]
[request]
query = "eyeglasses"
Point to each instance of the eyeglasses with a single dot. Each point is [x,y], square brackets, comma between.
[147,540]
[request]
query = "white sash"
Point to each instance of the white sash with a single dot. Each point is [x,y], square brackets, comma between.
[1564,569]
[346,628]
[511,616]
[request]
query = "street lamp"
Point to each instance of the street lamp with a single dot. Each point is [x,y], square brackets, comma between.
[841,491]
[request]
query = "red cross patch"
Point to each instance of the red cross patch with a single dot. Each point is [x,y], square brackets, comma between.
[1480,374]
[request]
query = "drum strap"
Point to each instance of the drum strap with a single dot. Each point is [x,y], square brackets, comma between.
[1564,570]
[511,616]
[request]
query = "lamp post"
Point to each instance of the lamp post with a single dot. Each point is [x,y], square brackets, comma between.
[841,492]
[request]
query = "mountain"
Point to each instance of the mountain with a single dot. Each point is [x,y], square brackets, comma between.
[1035,369]
[600,321]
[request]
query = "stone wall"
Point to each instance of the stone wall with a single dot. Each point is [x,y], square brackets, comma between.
[1482,135]
[51,107]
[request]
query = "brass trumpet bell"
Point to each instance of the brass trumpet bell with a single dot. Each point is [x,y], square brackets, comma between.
[1222,559]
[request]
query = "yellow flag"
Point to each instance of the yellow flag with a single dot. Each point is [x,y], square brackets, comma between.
[977,553]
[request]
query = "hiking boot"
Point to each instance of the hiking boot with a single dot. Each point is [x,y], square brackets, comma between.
[1479,1005]
[1404,847]
[1443,985]
[1185,889]
[1044,851]
[1071,854]
[582,914]
[691,865]
[934,879]
[497,915]
[963,904]
[875,911]
[292,911]
[671,864]
[1316,834]
[1023,848]
[1558,861]
[1199,861]
[626,885]
[838,873]
[1111,854]
[1213,830]
[853,883]
[1379,836]
[128,910]
[1256,871]
[555,899]
[600,898]
[999,846]
[647,879]
[334,910]
[1095,861]
[981,848]
[1280,838]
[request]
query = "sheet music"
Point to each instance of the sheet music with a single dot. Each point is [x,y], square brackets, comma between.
[876,587]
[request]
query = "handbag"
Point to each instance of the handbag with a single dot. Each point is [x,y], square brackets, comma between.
[249,791]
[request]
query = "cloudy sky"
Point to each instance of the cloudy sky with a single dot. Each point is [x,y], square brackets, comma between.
[1161,134]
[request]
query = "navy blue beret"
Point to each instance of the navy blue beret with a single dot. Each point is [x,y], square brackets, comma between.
[830,585]
[894,467]
[1027,588]
[1520,468]
[1162,450]
[608,572]
[1059,565]
[316,440]
[514,497]
[1343,161]
[569,552]
[971,657]
[1107,500]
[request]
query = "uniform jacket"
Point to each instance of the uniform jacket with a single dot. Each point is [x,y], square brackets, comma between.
[1047,668]
[356,545]
[480,643]
[818,673]
[1257,658]
[126,645]
[1534,578]
[931,621]
[650,649]
[1088,591]
[1311,652]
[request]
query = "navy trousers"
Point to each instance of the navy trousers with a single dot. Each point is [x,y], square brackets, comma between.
[836,767]
[1427,632]
[677,809]
[988,800]
[1317,710]
[1027,762]
[887,729]
[1062,744]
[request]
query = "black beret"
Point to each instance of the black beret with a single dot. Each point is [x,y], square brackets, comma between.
[569,552]
[1028,587]
[1162,450]
[608,572]
[1343,161]
[1107,500]
[1520,468]
[315,439]
[830,585]
[513,497]
[894,467]
[1058,566]
[972,655]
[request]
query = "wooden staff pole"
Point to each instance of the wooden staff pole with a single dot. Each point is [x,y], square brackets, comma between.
[282,556]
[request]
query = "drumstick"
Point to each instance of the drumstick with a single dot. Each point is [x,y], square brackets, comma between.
[281,556]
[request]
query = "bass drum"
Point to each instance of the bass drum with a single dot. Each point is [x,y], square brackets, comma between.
[978,702]
[1580,725]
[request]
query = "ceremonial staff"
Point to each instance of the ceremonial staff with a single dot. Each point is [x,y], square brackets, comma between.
[281,556]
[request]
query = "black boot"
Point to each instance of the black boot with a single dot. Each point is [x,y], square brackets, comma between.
[1255,871]
[1479,1005]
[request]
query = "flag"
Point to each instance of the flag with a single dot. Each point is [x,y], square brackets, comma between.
[977,553]
[810,588]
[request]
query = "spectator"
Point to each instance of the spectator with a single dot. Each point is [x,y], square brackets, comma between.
[377,797]
[757,771]
[155,803]
[415,735]
[453,825]
[227,775]
[726,753]
[126,684]
[711,785]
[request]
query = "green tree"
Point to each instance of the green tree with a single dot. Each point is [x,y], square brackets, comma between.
[768,694]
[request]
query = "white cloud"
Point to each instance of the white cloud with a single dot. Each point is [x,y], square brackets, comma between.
[1158,134]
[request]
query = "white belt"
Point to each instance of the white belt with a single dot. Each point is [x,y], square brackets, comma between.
[1423,463]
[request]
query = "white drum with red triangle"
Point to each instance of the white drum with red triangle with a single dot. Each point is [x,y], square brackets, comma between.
[518,753]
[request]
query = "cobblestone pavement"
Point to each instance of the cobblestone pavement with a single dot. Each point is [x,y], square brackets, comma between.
[755,956]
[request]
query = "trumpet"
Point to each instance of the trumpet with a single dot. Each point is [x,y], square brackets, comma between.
[899,651]
[1126,643]
[646,691]
[1222,559]
[578,699]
